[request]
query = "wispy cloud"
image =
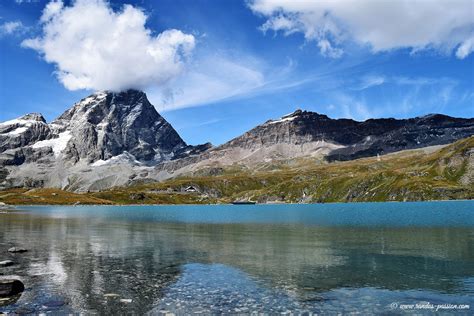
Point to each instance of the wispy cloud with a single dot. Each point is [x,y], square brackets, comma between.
[186,126]
[413,95]
[215,77]
[369,82]
[209,79]
[26,1]
[12,27]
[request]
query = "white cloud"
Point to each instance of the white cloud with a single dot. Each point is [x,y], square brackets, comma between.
[328,50]
[382,25]
[94,47]
[9,28]
[465,48]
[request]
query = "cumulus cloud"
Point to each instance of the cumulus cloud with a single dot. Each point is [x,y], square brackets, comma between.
[382,25]
[95,47]
[11,27]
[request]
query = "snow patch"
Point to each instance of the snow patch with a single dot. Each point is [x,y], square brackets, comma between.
[18,121]
[284,119]
[11,122]
[57,144]
[17,131]
[125,158]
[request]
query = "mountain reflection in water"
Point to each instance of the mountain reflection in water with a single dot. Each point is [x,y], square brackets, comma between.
[98,265]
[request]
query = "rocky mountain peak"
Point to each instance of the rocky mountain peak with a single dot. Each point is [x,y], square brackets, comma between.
[297,112]
[23,131]
[349,139]
[107,124]
[38,117]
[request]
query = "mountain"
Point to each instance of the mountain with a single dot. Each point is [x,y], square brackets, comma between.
[118,138]
[346,139]
[309,134]
[431,173]
[105,125]
[103,128]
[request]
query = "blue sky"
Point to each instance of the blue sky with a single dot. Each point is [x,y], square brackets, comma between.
[240,63]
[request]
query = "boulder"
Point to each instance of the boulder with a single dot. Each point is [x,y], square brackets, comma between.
[17,250]
[10,287]
[6,263]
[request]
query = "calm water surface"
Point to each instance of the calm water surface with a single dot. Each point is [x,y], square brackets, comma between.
[371,258]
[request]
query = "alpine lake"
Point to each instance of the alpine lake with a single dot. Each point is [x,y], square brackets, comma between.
[329,259]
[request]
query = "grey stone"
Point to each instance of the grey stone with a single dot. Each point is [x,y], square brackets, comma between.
[17,250]
[6,263]
[10,287]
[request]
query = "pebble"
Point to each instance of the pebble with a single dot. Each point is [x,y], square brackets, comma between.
[6,263]
[17,250]
[24,311]
[125,300]
[52,304]
[111,295]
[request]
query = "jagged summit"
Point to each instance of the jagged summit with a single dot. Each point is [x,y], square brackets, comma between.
[99,127]
[113,131]
[107,124]
[23,131]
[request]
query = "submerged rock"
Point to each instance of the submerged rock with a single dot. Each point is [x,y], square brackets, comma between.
[125,300]
[6,263]
[53,304]
[24,310]
[111,295]
[10,287]
[17,250]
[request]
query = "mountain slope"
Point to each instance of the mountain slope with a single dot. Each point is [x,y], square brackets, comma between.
[308,134]
[105,128]
[105,125]
[414,175]
[431,173]
[113,139]
[348,139]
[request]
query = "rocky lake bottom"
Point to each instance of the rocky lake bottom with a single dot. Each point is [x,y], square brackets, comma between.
[368,258]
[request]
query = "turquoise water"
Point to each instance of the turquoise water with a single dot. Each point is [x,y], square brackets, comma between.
[371,258]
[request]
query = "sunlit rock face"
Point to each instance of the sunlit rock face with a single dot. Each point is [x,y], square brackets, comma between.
[316,136]
[104,130]
[118,138]
[346,139]
[105,125]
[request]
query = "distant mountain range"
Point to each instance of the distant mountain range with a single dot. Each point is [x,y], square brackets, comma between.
[110,139]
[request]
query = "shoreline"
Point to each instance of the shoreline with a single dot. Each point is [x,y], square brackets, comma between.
[222,204]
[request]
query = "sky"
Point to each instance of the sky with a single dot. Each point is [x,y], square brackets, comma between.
[215,69]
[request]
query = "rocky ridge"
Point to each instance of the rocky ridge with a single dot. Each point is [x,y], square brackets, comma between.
[111,139]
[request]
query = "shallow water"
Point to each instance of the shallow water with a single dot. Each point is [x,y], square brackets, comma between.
[329,258]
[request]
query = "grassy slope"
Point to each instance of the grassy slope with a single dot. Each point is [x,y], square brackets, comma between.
[405,176]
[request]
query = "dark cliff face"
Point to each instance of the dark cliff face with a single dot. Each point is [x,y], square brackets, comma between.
[360,139]
[107,124]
